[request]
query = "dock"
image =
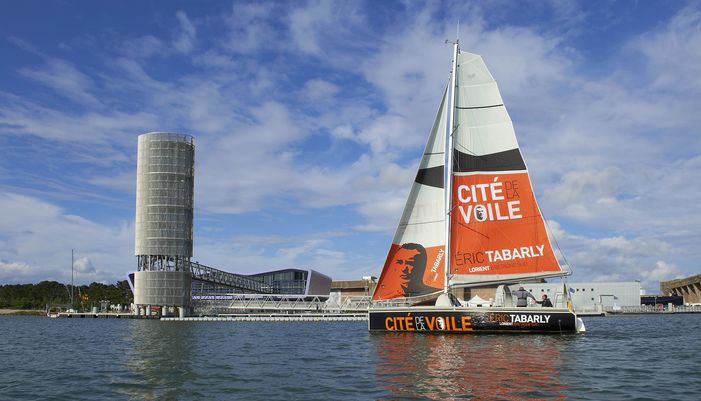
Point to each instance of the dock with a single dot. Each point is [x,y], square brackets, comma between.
[273,317]
[590,314]
[311,316]
[101,315]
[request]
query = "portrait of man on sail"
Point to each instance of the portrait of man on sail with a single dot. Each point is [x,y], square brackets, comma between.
[403,275]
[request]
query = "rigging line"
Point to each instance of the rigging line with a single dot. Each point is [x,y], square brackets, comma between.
[467,151]
[472,229]
[454,129]
[456,161]
[556,243]
[460,147]
[479,107]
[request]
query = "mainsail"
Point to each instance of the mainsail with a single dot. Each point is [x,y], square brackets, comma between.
[497,230]
[497,233]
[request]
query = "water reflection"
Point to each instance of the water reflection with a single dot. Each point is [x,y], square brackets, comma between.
[159,360]
[480,367]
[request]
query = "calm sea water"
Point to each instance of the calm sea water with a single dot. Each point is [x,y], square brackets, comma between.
[647,357]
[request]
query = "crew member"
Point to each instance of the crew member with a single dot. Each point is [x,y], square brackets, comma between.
[545,302]
[522,297]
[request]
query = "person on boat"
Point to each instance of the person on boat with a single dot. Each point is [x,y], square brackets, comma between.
[405,273]
[522,297]
[545,302]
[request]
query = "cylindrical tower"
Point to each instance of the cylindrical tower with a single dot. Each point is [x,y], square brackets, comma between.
[164,210]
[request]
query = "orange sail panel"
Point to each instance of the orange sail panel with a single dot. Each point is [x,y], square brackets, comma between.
[497,228]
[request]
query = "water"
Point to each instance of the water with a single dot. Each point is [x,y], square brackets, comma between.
[643,357]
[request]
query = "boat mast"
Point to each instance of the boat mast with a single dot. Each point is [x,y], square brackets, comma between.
[72,285]
[448,176]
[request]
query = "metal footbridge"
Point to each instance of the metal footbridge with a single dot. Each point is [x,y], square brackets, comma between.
[221,280]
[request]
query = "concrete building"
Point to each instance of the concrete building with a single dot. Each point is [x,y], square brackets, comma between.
[343,289]
[688,288]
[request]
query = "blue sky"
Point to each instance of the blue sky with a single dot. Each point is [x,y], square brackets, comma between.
[309,119]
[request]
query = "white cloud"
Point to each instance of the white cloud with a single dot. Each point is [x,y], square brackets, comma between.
[317,89]
[142,48]
[305,23]
[674,51]
[556,229]
[38,237]
[66,80]
[124,182]
[522,61]
[251,28]
[581,194]
[618,258]
[320,28]
[84,265]
[20,116]
[662,271]
[215,59]
[15,270]
[187,37]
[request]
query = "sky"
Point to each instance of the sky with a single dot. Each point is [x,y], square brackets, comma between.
[310,118]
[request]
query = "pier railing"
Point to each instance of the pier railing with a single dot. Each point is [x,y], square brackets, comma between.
[659,309]
[280,303]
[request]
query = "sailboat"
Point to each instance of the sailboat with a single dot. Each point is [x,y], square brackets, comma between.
[471,219]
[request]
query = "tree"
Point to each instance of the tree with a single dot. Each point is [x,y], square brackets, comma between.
[37,296]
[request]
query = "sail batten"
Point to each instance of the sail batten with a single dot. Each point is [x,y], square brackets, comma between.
[479,107]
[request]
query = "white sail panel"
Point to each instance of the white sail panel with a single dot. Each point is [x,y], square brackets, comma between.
[484,131]
[472,118]
[483,125]
[414,264]
[472,70]
[479,95]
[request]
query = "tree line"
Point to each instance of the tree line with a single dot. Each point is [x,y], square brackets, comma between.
[37,296]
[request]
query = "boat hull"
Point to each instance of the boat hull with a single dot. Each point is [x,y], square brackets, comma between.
[473,320]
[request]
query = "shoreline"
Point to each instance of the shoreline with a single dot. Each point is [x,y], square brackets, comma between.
[22,312]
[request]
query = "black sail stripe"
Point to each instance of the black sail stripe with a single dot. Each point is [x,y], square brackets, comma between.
[432,176]
[507,160]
